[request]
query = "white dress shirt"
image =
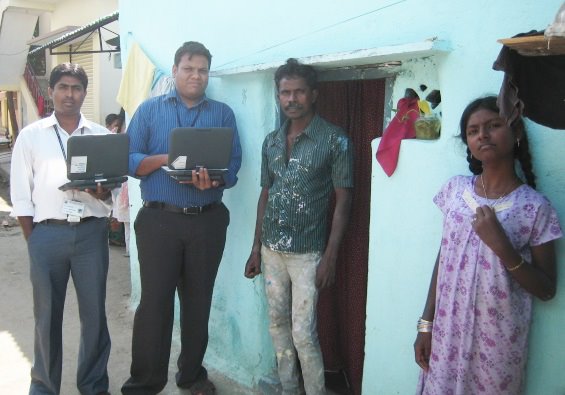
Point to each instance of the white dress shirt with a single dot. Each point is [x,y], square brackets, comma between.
[39,168]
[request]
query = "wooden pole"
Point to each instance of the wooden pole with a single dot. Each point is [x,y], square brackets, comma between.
[11,99]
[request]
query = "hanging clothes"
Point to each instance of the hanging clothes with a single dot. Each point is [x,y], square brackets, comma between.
[162,84]
[533,86]
[401,127]
[136,81]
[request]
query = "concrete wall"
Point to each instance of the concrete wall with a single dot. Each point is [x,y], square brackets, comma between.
[80,13]
[109,83]
[402,213]
[29,112]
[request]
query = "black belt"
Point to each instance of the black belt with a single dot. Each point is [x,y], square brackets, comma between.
[195,210]
[64,221]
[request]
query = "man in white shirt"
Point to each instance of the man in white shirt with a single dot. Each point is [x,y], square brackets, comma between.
[67,234]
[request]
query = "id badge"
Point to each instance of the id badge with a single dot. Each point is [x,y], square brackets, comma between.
[73,208]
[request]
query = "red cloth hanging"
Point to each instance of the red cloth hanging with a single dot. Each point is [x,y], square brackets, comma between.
[401,127]
[41,106]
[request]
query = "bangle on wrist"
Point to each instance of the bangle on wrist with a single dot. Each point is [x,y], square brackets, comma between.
[424,326]
[516,267]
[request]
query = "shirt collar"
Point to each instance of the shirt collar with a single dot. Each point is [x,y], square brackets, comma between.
[174,96]
[82,123]
[312,130]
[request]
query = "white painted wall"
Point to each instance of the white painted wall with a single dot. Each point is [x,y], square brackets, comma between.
[402,213]
[29,112]
[108,85]
[80,13]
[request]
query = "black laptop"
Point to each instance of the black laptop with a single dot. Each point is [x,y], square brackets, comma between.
[193,148]
[94,159]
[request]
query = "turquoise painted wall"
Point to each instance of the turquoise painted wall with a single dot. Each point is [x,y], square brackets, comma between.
[256,32]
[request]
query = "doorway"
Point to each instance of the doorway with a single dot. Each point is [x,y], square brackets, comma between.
[358,107]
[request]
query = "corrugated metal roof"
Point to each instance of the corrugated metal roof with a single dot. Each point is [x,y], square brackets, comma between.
[65,38]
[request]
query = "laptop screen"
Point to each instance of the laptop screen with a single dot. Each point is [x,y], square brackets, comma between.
[92,157]
[191,148]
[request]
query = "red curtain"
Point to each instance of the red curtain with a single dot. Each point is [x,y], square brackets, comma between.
[357,106]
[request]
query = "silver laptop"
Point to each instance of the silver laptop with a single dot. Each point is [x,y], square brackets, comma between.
[193,148]
[94,159]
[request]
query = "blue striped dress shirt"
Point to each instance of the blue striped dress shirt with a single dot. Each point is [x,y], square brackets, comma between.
[149,133]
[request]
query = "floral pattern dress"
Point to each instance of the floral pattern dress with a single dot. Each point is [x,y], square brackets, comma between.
[482,315]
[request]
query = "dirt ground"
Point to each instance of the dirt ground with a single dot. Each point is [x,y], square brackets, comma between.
[16,319]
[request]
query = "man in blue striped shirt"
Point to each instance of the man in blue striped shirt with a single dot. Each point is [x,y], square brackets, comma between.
[180,230]
[302,163]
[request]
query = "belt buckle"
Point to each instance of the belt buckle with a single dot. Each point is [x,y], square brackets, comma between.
[191,210]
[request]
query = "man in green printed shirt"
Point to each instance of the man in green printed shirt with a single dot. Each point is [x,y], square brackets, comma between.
[302,163]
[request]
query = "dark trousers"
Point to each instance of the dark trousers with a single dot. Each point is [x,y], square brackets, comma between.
[57,252]
[176,252]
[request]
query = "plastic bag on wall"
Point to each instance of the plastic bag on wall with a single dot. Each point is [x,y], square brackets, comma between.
[557,28]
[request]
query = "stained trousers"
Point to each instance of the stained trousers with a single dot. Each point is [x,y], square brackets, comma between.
[81,251]
[292,296]
[176,252]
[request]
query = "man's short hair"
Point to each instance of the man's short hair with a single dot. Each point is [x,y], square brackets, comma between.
[70,70]
[192,48]
[293,69]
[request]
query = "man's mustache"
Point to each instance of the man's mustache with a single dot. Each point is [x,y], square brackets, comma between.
[293,106]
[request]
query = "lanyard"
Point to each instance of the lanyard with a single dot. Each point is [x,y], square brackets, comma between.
[195,118]
[61,141]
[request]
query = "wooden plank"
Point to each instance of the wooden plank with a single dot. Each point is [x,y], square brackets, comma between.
[536,45]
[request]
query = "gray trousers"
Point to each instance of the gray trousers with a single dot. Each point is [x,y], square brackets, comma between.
[292,296]
[81,251]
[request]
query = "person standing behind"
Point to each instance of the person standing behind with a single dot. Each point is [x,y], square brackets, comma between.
[116,227]
[66,233]
[302,162]
[112,122]
[119,232]
[180,230]
[121,203]
[497,252]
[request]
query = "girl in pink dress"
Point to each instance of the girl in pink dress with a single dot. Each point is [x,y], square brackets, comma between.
[496,253]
